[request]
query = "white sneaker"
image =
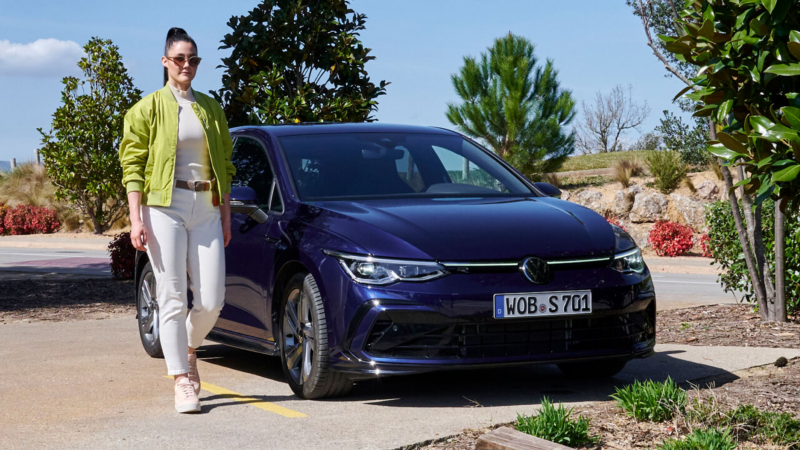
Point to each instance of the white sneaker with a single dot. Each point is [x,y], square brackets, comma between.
[186,400]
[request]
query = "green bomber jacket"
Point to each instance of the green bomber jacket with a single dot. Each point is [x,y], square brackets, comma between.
[150,137]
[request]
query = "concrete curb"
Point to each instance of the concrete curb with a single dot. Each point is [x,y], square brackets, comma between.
[710,270]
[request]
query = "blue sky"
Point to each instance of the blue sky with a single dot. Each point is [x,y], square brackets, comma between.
[418,44]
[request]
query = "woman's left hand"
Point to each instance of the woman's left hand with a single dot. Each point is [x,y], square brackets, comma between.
[226,231]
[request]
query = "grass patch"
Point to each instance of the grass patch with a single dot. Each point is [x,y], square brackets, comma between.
[602,160]
[667,169]
[556,425]
[709,439]
[574,183]
[652,401]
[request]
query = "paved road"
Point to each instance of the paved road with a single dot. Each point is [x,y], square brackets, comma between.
[89,384]
[39,260]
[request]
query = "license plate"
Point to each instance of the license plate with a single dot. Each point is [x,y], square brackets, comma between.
[540,304]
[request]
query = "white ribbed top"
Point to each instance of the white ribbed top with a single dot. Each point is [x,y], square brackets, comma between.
[191,155]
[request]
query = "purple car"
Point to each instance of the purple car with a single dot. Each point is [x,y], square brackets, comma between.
[365,250]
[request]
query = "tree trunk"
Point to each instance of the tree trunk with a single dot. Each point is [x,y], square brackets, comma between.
[779,308]
[752,216]
[752,268]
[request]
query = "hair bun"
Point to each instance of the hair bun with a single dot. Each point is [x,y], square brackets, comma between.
[175,31]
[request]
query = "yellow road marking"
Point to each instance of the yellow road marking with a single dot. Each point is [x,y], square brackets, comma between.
[261,404]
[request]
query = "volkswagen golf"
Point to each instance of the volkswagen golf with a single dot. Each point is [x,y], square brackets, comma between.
[366,250]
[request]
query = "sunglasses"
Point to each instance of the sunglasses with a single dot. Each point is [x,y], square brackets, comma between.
[194,61]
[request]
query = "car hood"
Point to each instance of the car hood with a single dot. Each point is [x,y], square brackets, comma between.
[448,229]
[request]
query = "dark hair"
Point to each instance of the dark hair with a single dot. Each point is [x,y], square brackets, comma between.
[174,35]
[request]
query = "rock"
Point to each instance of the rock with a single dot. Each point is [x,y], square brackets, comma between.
[623,200]
[781,362]
[592,200]
[565,195]
[649,208]
[692,212]
[708,190]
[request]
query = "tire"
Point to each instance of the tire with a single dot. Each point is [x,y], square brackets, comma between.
[304,342]
[147,313]
[593,369]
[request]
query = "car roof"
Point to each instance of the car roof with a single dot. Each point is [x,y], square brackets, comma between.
[337,128]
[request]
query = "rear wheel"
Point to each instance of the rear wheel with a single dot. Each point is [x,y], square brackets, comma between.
[304,342]
[593,369]
[147,309]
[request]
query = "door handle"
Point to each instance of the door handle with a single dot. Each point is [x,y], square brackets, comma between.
[271,240]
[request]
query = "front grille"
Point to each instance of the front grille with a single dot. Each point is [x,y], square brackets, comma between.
[514,338]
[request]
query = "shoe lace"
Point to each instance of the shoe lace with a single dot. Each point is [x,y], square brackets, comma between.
[185,389]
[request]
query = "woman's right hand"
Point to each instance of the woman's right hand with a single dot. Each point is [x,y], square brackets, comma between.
[138,235]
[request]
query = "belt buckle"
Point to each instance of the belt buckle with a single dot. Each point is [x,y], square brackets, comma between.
[191,185]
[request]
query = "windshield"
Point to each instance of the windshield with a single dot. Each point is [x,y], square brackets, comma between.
[380,165]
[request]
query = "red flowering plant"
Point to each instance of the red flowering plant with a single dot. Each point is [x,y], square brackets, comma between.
[123,256]
[29,219]
[670,238]
[705,246]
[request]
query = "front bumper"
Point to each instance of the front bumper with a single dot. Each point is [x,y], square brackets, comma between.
[395,331]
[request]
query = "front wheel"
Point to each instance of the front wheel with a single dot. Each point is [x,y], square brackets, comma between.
[593,369]
[304,342]
[147,313]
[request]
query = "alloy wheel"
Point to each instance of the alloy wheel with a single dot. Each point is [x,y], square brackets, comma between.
[148,310]
[298,336]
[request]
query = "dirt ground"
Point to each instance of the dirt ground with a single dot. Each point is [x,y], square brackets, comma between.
[34,300]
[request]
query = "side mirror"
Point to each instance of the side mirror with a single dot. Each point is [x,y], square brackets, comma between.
[243,201]
[548,189]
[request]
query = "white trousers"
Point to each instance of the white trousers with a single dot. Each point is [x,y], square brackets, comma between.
[186,237]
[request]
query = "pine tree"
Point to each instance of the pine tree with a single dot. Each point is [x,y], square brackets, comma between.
[515,106]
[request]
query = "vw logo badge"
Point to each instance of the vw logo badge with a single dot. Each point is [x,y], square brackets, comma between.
[536,270]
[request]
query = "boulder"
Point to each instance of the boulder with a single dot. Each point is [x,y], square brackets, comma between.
[592,200]
[565,195]
[623,200]
[649,208]
[708,190]
[692,211]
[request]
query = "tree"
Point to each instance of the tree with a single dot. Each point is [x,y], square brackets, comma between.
[80,150]
[749,55]
[690,142]
[297,61]
[606,122]
[515,106]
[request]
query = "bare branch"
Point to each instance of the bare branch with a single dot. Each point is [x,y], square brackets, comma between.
[608,119]
[655,49]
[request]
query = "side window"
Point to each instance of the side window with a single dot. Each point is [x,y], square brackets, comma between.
[252,169]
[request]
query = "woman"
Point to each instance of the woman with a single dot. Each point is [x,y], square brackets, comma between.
[175,156]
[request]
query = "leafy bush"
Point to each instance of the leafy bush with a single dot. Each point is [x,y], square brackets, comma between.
[3,210]
[728,253]
[670,238]
[653,401]
[123,256]
[556,425]
[709,439]
[29,219]
[667,169]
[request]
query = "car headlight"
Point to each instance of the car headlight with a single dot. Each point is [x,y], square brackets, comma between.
[379,271]
[629,261]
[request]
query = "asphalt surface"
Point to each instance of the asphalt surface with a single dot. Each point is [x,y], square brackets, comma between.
[89,384]
[94,263]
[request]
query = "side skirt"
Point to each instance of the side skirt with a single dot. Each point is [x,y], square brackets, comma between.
[243,342]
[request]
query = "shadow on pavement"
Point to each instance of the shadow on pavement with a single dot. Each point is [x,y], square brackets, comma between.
[503,386]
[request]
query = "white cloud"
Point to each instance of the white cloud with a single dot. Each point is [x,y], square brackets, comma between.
[41,58]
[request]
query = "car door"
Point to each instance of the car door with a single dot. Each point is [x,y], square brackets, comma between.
[248,256]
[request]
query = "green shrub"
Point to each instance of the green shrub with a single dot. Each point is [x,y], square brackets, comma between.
[556,425]
[727,251]
[667,169]
[710,439]
[777,428]
[652,400]
[691,142]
